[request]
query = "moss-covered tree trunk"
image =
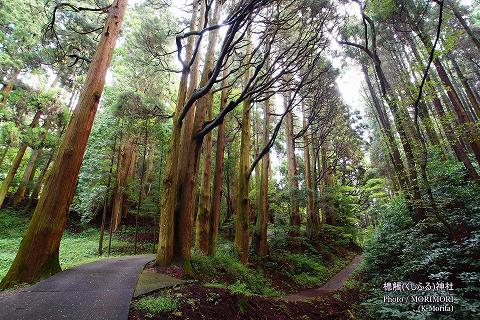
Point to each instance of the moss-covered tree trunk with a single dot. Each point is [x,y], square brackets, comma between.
[38,254]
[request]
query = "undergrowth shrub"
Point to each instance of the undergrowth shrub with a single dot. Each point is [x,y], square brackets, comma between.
[402,251]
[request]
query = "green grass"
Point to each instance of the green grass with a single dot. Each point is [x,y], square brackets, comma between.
[239,278]
[155,305]
[75,248]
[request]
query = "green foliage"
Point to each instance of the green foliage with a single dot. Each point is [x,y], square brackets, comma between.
[239,278]
[154,305]
[402,251]
[307,270]
[75,248]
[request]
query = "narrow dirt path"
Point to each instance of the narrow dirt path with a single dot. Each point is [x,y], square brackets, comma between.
[332,285]
[95,291]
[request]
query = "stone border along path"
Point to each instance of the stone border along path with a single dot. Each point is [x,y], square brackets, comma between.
[332,285]
[99,290]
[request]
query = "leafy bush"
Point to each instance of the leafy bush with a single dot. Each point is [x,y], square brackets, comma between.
[155,305]
[238,277]
[402,251]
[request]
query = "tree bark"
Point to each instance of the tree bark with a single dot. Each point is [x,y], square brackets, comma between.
[259,238]
[218,176]
[242,223]
[465,26]
[292,170]
[167,208]
[38,255]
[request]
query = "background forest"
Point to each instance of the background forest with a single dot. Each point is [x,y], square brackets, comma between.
[216,134]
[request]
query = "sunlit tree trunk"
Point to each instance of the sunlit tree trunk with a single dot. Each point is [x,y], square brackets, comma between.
[38,254]
[167,208]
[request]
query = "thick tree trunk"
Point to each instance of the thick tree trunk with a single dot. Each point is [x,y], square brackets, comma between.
[242,223]
[202,226]
[259,238]
[38,255]
[125,167]
[217,180]
[190,156]
[167,219]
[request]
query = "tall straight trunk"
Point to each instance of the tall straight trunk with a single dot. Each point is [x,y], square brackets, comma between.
[313,218]
[292,169]
[449,130]
[466,86]
[387,130]
[202,226]
[107,197]
[259,239]
[16,162]
[413,192]
[473,37]
[167,208]
[8,88]
[126,162]
[38,255]
[242,223]
[140,189]
[218,176]
[27,175]
[191,149]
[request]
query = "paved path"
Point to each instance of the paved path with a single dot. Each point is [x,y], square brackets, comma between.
[101,290]
[332,285]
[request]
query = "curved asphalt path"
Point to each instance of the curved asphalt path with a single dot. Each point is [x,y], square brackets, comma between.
[332,285]
[100,290]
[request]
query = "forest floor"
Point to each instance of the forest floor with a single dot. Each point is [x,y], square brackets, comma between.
[223,289]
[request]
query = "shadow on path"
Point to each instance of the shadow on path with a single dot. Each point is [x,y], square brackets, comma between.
[97,290]
[332,285]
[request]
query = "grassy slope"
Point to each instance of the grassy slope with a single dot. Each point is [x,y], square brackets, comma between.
[75,248]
